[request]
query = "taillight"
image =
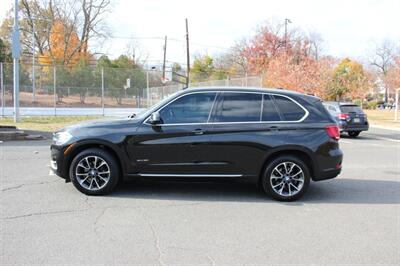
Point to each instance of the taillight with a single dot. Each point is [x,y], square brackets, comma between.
[344,116]
[333,131]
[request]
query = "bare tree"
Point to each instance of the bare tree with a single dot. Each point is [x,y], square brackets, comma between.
[92,25]
[84,18]
[234,60]
[316,44]
[383,59]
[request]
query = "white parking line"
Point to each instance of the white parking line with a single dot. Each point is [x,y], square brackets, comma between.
[379,145]
[388,139]
[346,141]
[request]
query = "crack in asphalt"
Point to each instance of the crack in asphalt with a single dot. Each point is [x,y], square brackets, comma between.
[155,235]
[139,209]
[96,221]
[28,184]
[211,259]
[43,213]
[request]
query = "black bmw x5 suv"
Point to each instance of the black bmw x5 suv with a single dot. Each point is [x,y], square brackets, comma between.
[276,138]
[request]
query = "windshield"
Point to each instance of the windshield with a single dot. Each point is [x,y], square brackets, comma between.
[151,109]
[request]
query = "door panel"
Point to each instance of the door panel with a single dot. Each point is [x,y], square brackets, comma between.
[171,149]
[237,137]
[179,144]
[241,148]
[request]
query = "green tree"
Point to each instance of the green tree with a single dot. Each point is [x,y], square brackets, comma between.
[116,73]
[349,80]
[5,55]
[202,68]
[82,76]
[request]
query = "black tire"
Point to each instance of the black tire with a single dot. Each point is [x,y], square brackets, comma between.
[111,163]
[267,176]
[354,134]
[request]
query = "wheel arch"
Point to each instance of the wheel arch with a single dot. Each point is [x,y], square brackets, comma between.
[300,152]
[84,145]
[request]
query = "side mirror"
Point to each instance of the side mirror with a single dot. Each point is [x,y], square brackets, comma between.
[155,118]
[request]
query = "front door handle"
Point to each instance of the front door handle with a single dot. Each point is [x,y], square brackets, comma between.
[198,131]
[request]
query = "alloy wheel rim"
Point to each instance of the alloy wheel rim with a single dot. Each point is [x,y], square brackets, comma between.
[92,173]
[287,179]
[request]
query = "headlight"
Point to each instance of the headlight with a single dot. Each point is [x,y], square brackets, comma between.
[61,138]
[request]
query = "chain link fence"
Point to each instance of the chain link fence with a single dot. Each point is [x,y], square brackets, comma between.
[91,90]
[158,93]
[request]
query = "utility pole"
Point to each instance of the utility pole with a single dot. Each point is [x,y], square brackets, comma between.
[2,88]
[187,54]
[396,110]
[165,56]
[33,63]
[287,21]
[16,50]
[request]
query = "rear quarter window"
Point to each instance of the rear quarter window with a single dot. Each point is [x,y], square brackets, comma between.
[289,110]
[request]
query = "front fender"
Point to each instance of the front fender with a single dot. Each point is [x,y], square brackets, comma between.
[79,146]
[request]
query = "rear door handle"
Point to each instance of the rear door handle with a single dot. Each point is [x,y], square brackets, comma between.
[198,131]
[274,128]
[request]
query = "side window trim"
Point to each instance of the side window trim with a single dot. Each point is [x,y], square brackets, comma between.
[217,102]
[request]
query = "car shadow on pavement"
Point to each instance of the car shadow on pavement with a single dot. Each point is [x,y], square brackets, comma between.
[341,190]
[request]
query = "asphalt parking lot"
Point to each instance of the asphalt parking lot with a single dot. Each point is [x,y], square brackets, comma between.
[353,219]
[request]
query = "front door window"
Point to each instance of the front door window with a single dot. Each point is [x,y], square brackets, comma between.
[189,109]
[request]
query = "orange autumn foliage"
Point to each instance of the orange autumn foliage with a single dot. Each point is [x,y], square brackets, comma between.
[288,64]
[393,75]
[65,47]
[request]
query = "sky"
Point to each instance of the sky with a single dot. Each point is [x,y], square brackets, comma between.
[349,28]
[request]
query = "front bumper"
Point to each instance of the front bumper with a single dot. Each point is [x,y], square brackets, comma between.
[57,161]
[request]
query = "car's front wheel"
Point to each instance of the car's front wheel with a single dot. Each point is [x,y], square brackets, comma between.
[94,172]
[286,178]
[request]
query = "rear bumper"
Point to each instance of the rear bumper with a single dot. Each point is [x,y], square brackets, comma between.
[329,167]
[356,127]
[327,175]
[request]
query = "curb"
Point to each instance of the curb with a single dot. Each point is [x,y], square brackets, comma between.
[3,127]
[385,127]
[9,134]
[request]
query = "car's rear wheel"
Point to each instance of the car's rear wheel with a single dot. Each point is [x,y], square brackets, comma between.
[354,134]
[286,178]
[94,172]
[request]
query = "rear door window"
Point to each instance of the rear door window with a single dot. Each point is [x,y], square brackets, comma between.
[289,110]
[351,109]
[239,107]
[270,112]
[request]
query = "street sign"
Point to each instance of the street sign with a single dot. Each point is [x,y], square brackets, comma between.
[16,50]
